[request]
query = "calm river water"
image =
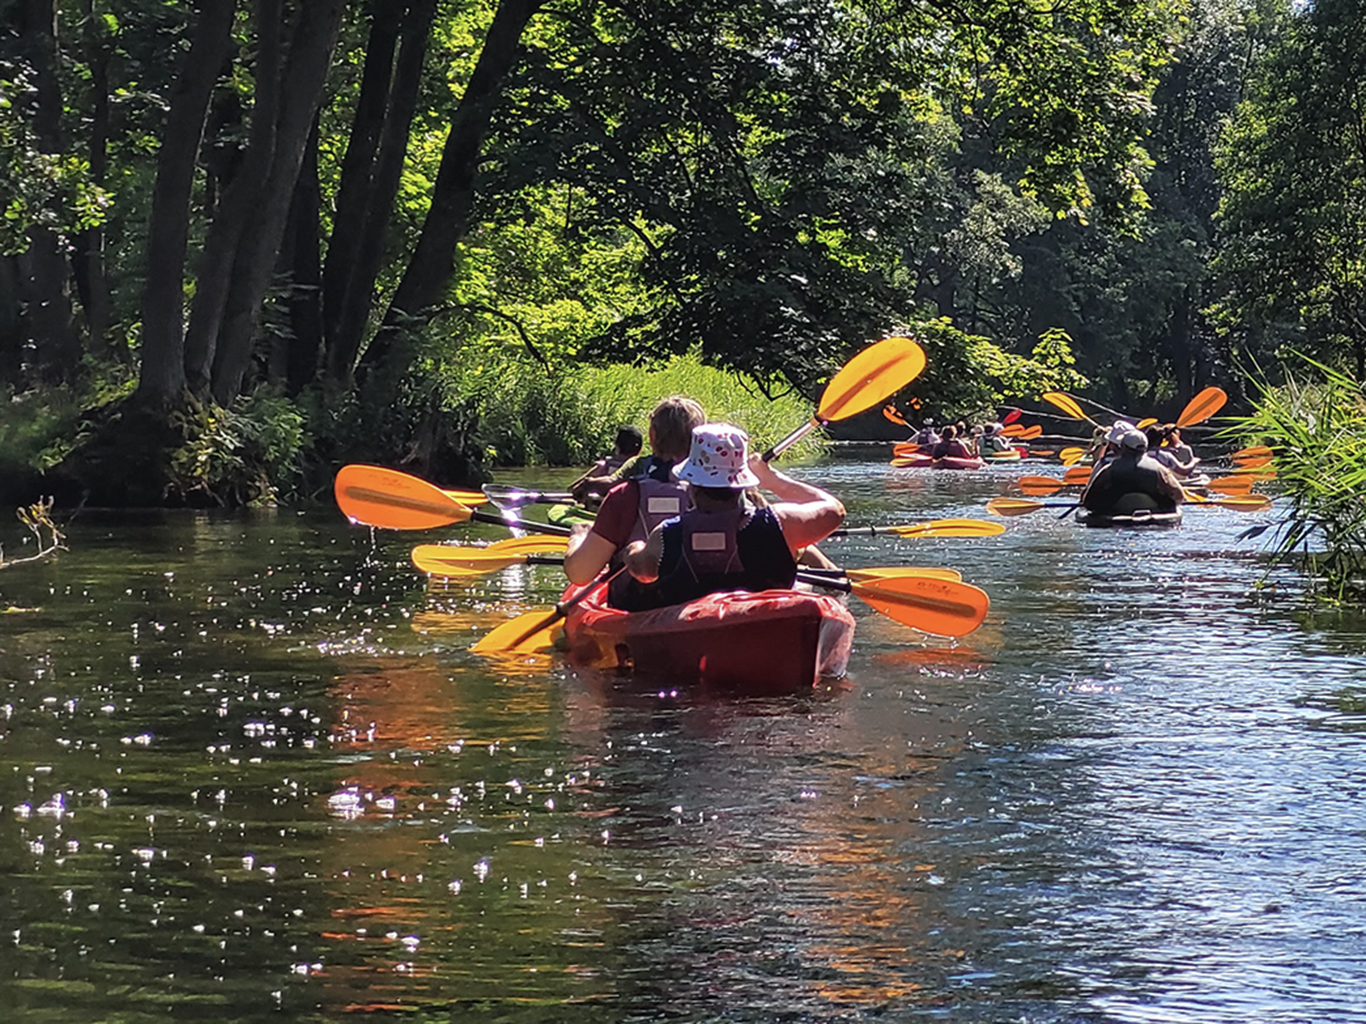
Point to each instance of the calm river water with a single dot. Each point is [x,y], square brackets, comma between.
[250,771]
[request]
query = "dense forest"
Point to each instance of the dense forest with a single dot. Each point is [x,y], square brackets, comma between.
[245,242]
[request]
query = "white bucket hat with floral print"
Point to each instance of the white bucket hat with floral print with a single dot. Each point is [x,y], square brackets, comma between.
[719,458]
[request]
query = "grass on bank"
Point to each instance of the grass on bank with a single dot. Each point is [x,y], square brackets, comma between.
[1317,429]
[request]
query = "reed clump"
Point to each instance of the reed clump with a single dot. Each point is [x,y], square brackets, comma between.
[1315,423]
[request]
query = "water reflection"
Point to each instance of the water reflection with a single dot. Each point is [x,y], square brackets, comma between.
[248,766]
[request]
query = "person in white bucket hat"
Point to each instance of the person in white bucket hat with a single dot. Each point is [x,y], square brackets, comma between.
[723,542]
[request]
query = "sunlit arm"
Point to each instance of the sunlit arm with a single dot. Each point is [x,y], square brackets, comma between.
[588,553]
[642,557]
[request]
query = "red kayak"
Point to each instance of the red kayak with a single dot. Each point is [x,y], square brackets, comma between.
[775,641]
[926,462]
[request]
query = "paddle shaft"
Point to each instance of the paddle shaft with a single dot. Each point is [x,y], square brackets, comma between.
[489,517]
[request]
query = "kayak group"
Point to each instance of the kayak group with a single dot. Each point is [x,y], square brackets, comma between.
[698,559]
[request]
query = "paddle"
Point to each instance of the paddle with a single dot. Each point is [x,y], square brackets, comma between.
[943,607]
[1012,416]
[393,500]
[1013,430]
[890,412]
[1145,423]
[1231,484]
[1041,486]
[443,559]
[1253,464]
[905,448]
[932,528]
[872,376]
[514,497]
[1202,407]
[1071,455]
[1077,475]
[1067,404]
[1257,451]
[1023,506]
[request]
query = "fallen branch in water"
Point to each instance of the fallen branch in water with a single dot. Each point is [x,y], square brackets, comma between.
[38,518]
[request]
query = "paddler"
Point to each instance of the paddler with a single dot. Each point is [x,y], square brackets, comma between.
[1131,481]
[724,542]
[590,488]
[634,507]
[1177,457]
[993,440]
[949,447]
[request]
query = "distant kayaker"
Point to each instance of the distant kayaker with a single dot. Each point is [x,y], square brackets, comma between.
[993,440]
[1161,449]
[590,488]
[927,435]
[949,447]
[723,542]
[1132,481]
[634,507]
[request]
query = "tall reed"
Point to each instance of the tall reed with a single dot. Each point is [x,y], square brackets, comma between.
[1316,425]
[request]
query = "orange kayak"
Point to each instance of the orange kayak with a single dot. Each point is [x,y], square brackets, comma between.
[774,641]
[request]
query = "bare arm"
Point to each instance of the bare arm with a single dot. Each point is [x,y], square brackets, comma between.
[642,556]
[588,553]
[808,514]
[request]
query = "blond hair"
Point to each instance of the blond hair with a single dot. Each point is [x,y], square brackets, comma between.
[671,426]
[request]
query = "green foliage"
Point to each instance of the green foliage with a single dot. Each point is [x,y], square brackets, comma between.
[1317,427]
[1293,166]
[36,429]
[968,376]
[242,455]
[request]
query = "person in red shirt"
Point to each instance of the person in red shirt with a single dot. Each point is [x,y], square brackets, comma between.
[633,508]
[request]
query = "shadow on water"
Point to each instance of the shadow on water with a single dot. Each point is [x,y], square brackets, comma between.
[249,767]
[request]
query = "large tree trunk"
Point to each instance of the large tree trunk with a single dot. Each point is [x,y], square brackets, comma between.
[432,265]
[162,379]
[310,55]
[12,337]
[363,212]
[240,198]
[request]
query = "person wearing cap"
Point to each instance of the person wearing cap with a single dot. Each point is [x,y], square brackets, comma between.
[927,435]
[723,542]
[1132,480]
[993,440]
[635,506]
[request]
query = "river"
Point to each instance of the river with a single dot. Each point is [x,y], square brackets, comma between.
[249,770]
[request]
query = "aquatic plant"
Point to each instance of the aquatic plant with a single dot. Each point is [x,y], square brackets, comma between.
[1316,425]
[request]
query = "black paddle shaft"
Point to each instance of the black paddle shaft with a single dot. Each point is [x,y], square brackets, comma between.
[551,528]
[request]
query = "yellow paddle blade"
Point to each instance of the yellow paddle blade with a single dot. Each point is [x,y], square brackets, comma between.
[1077,475]
[526,634]
[1029,433]
[890,412]
[879,371]
[873,575]
[948,528]
[1072,460]
[905,448]
[1146,422]
[905,461]
[1013,430]
[1040,452]
[1231,484]
[468,497]
[1066,403]
[1072,453]
[1202,407]
[941,607]
[1013,506]
[1041,486]
[392,500]
[453,560]
[1257,451]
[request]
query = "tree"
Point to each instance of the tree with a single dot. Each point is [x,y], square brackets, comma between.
[1293,216]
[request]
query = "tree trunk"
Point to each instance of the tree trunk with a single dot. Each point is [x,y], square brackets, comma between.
[12,336]
[239,199]
[55,346]
[310,55]
[367,125]
[361,248]
[305,303]
[432,265]
[162,378]
[92,285]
